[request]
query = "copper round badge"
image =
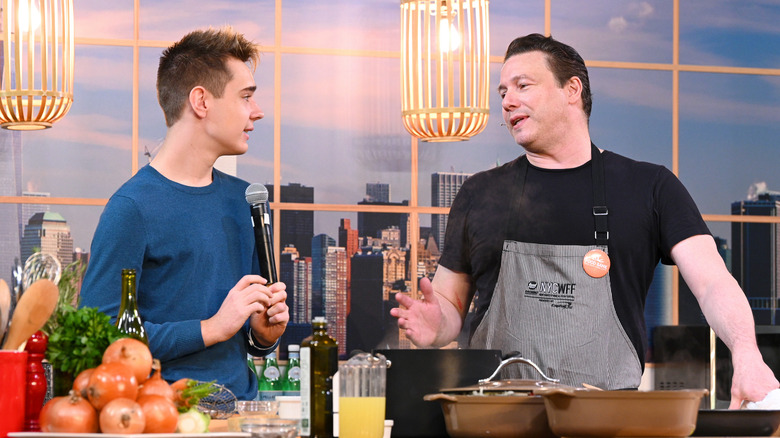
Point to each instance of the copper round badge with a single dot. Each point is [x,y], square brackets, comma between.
[596,263]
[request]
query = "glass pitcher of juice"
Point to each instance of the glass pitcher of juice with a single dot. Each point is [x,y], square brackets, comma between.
[362,396]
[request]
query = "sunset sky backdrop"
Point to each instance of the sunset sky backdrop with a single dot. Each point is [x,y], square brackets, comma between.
[340,97]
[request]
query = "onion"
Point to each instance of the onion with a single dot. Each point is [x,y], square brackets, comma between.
[133,353]
[69,414]
[160,413]
[122,415]
[81,382]
[156,385]
[110,381]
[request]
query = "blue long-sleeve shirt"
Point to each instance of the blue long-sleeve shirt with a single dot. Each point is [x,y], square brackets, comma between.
[189,247]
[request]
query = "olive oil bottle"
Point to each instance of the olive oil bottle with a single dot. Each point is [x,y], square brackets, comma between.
[128,321]
[319,362]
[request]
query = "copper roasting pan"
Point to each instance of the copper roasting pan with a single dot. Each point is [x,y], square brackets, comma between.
[594,413]
[545,408]
[504,408]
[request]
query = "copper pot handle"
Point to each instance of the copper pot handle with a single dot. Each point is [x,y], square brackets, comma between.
[434,397]
[517,359]
[560,391]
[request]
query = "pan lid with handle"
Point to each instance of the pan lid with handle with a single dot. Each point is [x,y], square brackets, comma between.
[488,385]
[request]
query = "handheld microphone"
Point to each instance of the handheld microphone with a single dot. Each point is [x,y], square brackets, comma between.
[256,196]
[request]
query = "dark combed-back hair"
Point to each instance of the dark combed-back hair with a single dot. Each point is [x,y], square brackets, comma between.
[199,59]
[563,61]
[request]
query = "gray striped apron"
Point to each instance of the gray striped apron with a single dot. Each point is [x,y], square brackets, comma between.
[547,308]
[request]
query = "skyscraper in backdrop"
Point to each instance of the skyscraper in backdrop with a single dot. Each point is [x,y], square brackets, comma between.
[295,273]
[297,227]
[319,244]
[755,250]
[334,293]
[350,241]
[378,192]
[303,290]
[48,233]
[444,187]
[366,323]
[10,181]
[287,260]
[27,210]
[371,224]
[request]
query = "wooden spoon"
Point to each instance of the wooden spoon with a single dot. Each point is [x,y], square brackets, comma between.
[5,306]
[34,308]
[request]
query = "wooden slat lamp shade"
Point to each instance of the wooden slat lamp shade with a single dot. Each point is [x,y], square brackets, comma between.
[445,68]
[36,81]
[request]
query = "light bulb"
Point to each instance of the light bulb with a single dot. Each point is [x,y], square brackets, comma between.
[449,37]
[27,11]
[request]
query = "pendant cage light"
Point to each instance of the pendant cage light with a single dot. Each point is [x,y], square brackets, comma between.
[445,67]
[36,81]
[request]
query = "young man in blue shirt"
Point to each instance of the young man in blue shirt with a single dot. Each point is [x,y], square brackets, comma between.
[185,227]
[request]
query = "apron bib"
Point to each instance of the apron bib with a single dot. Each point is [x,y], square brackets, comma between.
[547,308]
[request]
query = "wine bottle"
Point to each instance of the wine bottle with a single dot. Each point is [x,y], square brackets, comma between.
[128,321]
[319,362]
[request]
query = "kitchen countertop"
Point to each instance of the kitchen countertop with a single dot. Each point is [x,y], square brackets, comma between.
[222,426]
[218,426]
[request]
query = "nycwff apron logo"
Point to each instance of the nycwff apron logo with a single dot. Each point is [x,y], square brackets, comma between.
[560,295]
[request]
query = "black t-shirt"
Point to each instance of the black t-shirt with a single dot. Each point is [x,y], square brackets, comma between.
[650,211]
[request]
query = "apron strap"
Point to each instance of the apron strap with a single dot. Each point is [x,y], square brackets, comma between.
[516,199]
[600,211]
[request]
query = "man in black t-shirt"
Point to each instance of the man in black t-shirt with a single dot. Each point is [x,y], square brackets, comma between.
[561,245]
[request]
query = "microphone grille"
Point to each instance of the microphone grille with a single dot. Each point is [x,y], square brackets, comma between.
[256,194]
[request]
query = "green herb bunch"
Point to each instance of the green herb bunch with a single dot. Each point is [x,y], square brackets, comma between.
[80,340]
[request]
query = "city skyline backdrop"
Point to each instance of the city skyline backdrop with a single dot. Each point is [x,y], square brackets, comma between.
[354,121]
[361,269]
[701,99]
